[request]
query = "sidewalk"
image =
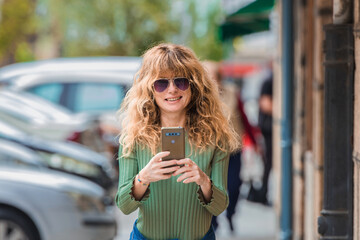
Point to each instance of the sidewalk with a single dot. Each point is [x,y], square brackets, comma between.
[252,222]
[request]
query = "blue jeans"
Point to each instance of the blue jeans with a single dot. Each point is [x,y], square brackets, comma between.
[136,234]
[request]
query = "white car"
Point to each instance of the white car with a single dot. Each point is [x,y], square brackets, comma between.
[16,155]
[92,85]
[68,157]
[39,205]
[40,117]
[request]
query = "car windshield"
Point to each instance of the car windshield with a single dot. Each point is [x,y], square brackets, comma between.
[98,97]
[49,91]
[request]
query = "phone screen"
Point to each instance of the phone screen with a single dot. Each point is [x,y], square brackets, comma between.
[173,140]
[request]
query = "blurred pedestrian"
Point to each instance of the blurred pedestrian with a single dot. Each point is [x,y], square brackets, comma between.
[172,89]
[265,125]
[230,95]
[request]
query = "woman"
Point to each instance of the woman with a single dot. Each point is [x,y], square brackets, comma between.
[172,89]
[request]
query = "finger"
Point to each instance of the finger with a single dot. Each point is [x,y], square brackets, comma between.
[186,161]
[190,180]
[182,170]
[184,176]
[160,155]
[164,176]
[169,170]
[167,163]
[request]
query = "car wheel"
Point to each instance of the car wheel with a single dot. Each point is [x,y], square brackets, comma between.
[13,225]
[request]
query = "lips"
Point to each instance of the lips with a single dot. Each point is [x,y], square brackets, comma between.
[173,99]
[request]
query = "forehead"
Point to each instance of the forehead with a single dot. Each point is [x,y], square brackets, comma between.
[166,74]
[167,69]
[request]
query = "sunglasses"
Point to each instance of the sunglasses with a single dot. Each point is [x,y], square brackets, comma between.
[162,84]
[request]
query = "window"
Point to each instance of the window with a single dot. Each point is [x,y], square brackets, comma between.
[49,91]
[98,97]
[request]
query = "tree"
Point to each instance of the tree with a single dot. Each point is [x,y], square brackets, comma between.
[109,27]
[17,31]
[67,28]
[201,32]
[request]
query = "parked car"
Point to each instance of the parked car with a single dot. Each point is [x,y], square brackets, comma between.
[37,116]
[119,65]
[91,84]
[67,157]
[19,156]
[95,85]
[38,205]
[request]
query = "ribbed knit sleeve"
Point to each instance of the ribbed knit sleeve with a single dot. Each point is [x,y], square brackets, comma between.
[219,199]
[128,168]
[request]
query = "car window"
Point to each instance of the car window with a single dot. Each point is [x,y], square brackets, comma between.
[49,91]
[98,97]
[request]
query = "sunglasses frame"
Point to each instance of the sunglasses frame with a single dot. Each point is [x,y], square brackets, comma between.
[173,81]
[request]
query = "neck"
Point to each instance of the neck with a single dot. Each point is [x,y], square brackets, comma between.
[173,120]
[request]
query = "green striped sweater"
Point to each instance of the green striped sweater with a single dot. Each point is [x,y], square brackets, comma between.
[171,209]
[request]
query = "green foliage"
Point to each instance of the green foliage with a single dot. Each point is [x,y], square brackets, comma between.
[114,27]
[68,28]
[204,38]
[17,30]
[24,52]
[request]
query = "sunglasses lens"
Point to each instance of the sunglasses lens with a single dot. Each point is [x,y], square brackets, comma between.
[181,83]
[161,84]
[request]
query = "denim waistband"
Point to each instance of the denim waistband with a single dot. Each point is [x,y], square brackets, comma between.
[136,234]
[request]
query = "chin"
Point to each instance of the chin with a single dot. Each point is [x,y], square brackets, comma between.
[173,110]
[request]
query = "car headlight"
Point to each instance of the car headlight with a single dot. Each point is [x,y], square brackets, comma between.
[87,203]
[68,164]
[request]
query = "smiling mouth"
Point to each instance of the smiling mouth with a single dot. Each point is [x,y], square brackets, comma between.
[173,99]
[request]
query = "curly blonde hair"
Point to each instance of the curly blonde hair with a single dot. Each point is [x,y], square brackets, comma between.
[206,123]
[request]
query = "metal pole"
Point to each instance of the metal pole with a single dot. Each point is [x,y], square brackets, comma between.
[286,121]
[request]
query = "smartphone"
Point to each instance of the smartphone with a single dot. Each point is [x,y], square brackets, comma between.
[173,140]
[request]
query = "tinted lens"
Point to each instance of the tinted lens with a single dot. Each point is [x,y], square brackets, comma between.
[161,84]
[181,83]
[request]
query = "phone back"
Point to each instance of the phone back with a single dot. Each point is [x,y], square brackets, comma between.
[173,140]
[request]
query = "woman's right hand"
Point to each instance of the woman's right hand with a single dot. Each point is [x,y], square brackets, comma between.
[157,169]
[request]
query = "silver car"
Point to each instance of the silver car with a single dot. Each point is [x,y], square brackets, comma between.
[16,155]
[38,205]
[62,156]
[120,65]
[88,84]
[37,116]
[95,85]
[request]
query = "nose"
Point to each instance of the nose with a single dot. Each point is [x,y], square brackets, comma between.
[172,87]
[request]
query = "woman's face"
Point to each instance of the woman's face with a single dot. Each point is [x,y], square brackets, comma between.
[172,99]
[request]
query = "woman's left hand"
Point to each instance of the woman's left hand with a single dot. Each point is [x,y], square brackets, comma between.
[191,173]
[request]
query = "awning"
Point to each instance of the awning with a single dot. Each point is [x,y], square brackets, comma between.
[251,18]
